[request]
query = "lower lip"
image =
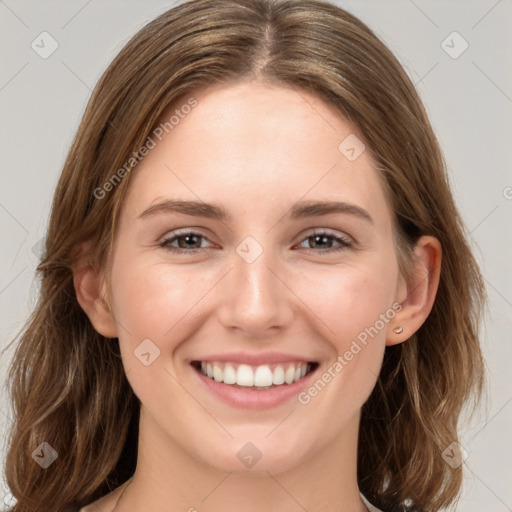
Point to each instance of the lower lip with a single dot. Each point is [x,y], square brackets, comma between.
[257,399]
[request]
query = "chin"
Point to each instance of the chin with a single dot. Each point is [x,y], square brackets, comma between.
[253,455]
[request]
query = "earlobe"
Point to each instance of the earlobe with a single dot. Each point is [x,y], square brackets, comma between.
[89,289]
[420,291]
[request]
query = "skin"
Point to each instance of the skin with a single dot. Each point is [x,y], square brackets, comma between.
[256,150]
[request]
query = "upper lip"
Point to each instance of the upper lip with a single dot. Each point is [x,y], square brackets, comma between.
[254,359]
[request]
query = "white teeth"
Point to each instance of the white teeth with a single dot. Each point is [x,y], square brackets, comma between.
[278,375]
[263,376]
[289,374]
[259,377]
[229,374]
[217,372]
[245,375]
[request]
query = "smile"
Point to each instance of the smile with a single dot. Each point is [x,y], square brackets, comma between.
[259,377]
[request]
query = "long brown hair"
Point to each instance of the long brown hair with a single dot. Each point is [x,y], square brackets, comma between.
[67,382]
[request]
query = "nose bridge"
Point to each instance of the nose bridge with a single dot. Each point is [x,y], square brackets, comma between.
[257,299]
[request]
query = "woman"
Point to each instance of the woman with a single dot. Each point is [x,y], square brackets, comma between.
[254,368]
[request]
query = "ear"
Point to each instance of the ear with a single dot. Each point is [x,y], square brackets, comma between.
[90,291]
[418,295]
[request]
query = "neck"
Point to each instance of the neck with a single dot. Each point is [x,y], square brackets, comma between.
[167,477]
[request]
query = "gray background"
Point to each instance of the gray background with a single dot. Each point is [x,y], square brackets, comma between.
[468,98]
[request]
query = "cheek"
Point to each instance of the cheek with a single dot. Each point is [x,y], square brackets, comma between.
[153,301]
[349,300]
[355,307]
[152,296]
[164,303]
[158,300]
[154,306]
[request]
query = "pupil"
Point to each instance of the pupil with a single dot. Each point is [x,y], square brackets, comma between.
[187,239]
[320,238]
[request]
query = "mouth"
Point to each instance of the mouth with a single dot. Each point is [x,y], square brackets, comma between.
[255,378]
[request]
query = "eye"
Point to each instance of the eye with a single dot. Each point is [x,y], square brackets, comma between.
[322,238]
[188,242]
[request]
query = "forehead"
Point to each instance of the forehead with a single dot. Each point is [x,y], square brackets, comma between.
[259,146]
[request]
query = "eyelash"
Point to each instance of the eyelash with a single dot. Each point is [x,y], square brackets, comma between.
[345,242]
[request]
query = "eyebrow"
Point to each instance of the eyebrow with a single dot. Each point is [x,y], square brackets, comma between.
[217,212]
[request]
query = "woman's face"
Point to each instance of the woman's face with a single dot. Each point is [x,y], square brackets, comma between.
[255,290]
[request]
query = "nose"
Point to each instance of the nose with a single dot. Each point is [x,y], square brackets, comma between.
[255,298]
